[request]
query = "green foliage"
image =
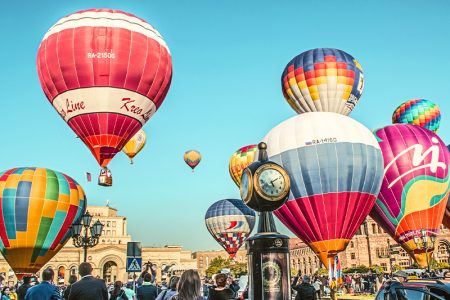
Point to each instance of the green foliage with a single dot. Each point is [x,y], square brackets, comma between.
[321,272]
[357,269]
[434,264]
[219,263]
[216,265]
[376,269]
[396,268]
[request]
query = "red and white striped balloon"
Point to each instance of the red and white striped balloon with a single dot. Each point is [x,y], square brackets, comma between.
[105,72]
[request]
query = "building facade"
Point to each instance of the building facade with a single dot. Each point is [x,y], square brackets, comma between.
[108,258]
[368,247]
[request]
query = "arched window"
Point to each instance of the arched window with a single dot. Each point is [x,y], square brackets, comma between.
[110,272]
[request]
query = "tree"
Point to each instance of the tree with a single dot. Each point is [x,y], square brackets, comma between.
[321,272]
[216,265]
[239,269]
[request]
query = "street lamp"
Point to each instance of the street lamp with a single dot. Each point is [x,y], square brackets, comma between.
[86,241]
[425,242]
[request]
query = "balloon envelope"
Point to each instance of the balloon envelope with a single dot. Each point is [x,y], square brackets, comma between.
[323,79]
[135,144]
[446,220]
[37,208]
[421,112]
[415,186]
[335,166]
[230,222]
[192,158]
[105,72]
[240,160]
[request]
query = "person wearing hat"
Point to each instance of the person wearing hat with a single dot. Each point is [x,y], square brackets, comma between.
[397,282]
[305,291]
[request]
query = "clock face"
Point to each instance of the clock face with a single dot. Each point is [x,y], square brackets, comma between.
[244,186]
[272,182]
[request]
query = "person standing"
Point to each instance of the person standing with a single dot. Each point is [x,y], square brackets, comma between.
[130,292]
[172,290]
[317,286]
[72,280]
[220,291]
[147,291]
[117,292]
[22,290]
[5,293]
[189,286]
[45,290]
[305,291]
[12,294]
[333,289]
[88,287]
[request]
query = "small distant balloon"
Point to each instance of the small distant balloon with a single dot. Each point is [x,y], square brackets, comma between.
[240,160]
[420,112]
[323,79]
[135,145]
[192,158]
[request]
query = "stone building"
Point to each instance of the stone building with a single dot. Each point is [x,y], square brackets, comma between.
[108,258]
[368,247]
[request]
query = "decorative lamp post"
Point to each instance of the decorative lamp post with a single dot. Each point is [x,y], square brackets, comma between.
[425,242]
[87,240]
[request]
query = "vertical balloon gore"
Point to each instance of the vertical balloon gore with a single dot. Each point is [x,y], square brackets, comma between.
[38,207]
[105,72]
[414,193]
[336,167]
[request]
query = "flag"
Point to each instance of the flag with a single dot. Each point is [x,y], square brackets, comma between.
[339,270]
[88,177]
[330,270]
[335,270]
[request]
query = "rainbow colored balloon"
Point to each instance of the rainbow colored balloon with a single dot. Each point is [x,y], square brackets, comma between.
[415,186]
[421,112]
[323,79]
[37,208]
[240,160]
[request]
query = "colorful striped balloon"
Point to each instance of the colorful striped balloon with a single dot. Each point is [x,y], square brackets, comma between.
[240,160]
[415,186]
[37,208]
[323,79]
[192,158]
[336,168]
[230,222]
[421,112]
[105,72]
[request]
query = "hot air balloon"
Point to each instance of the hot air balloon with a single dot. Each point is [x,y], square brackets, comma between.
[240,160]
[135,145]
[421,112]
[105,72]
[323,79]
[192,158]
[446,220]
[230,222]
[335,167]
[415,185]
[38,207]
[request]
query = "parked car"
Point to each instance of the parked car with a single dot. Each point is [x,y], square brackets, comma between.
[415,289]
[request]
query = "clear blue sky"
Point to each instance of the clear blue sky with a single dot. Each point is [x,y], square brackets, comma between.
[227,57]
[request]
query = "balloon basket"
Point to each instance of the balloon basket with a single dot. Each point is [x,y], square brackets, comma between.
[105,177]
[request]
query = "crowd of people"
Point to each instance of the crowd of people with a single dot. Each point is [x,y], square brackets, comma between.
[322,286]
[187,286]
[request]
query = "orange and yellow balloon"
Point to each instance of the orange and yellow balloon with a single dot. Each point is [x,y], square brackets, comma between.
[240,160]
[192,158]
[38,206]
[135,145]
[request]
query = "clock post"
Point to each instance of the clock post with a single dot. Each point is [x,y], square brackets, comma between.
[265,187]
